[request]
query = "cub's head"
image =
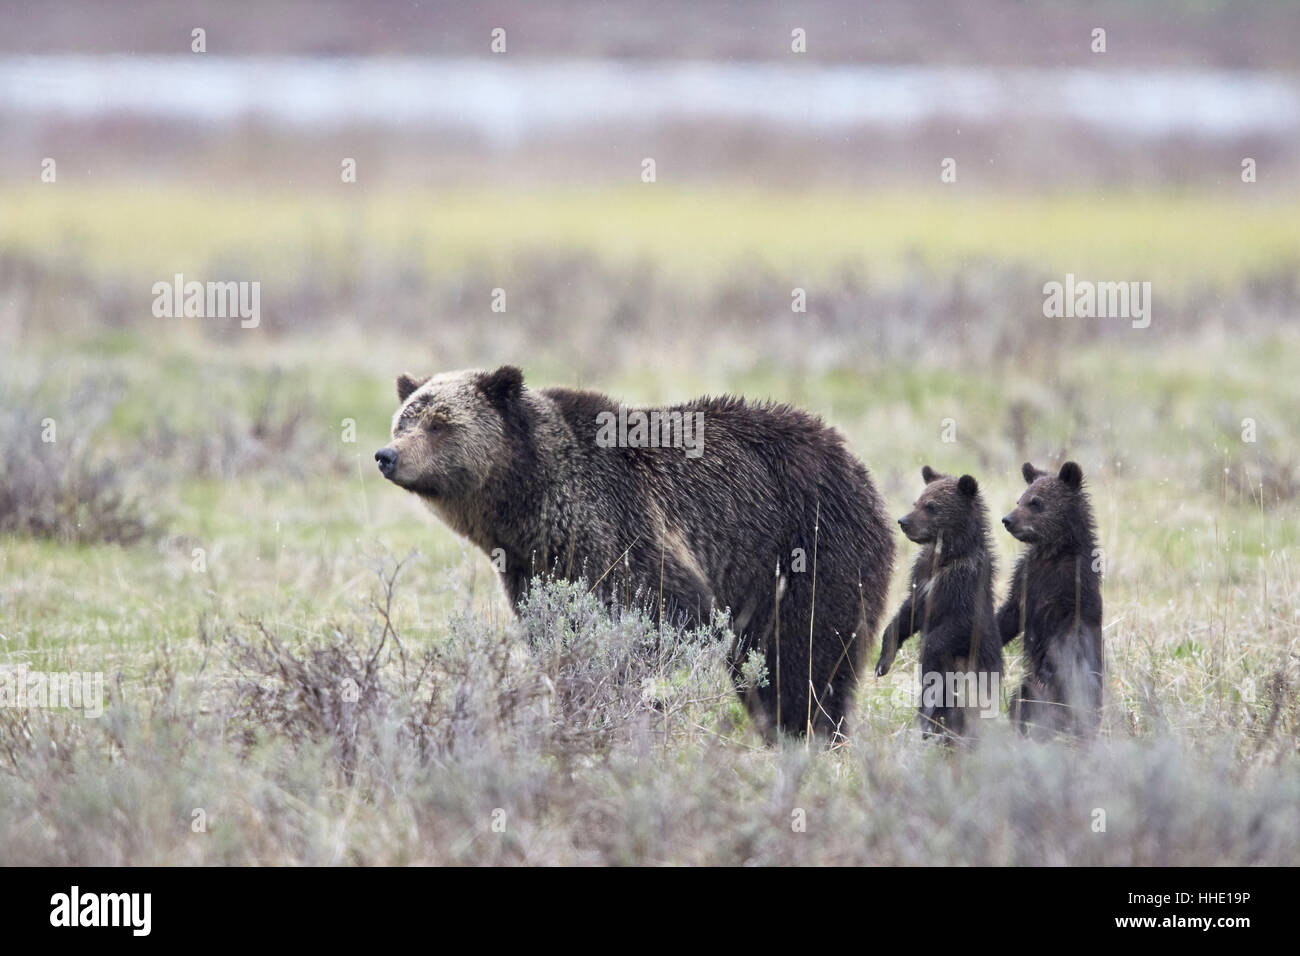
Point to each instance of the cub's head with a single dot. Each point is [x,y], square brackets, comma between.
[1048,508]
[449,434]
[947,508]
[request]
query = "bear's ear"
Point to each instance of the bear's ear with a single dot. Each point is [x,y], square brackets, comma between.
[1071,474]
[1031,473]
[968,486]
[406,384]
[930,475]
[502,385]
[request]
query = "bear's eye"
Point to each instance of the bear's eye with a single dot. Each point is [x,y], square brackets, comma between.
[930,508]
[1035,504]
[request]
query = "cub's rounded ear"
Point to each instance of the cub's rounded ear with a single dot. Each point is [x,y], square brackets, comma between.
[929,474]
[1031,473]
[406,384]
[1071,474]
[967,486]
[502,385]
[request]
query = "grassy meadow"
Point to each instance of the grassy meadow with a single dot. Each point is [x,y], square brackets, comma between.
[209,531]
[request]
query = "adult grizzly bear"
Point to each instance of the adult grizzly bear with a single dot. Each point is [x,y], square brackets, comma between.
[716,503]
[1056,600]
[950,602]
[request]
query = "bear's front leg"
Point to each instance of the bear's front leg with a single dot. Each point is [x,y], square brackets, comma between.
[899,630]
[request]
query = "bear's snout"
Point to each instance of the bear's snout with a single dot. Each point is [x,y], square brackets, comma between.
[387,459]
[904,521]
[1006,522]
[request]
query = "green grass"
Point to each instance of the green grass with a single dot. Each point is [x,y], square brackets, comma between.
[1148,435]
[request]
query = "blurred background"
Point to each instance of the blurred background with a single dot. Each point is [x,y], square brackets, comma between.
[774,169]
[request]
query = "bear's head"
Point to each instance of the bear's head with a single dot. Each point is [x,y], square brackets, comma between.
[948,509]
[1049,508]
[449,434]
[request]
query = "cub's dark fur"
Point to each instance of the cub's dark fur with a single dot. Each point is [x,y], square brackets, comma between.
[950,602]
[1055,600]
[775,520]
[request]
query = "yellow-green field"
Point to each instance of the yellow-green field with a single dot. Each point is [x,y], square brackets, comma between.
[1178,239]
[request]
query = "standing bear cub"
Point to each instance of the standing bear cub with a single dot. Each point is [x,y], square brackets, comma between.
[682,509]
[1055,600]
[950,602]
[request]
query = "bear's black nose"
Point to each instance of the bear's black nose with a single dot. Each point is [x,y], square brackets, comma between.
[902,522]
[1006,521]
[387,459]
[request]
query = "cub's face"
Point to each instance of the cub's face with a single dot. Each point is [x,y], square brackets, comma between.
[1042,513]
[449,433]
[944,505]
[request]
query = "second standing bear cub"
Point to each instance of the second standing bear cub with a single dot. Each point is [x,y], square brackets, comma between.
[950,602]
[1055,600]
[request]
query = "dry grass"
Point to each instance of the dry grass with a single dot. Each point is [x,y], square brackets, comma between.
[53,484]
[573,737]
